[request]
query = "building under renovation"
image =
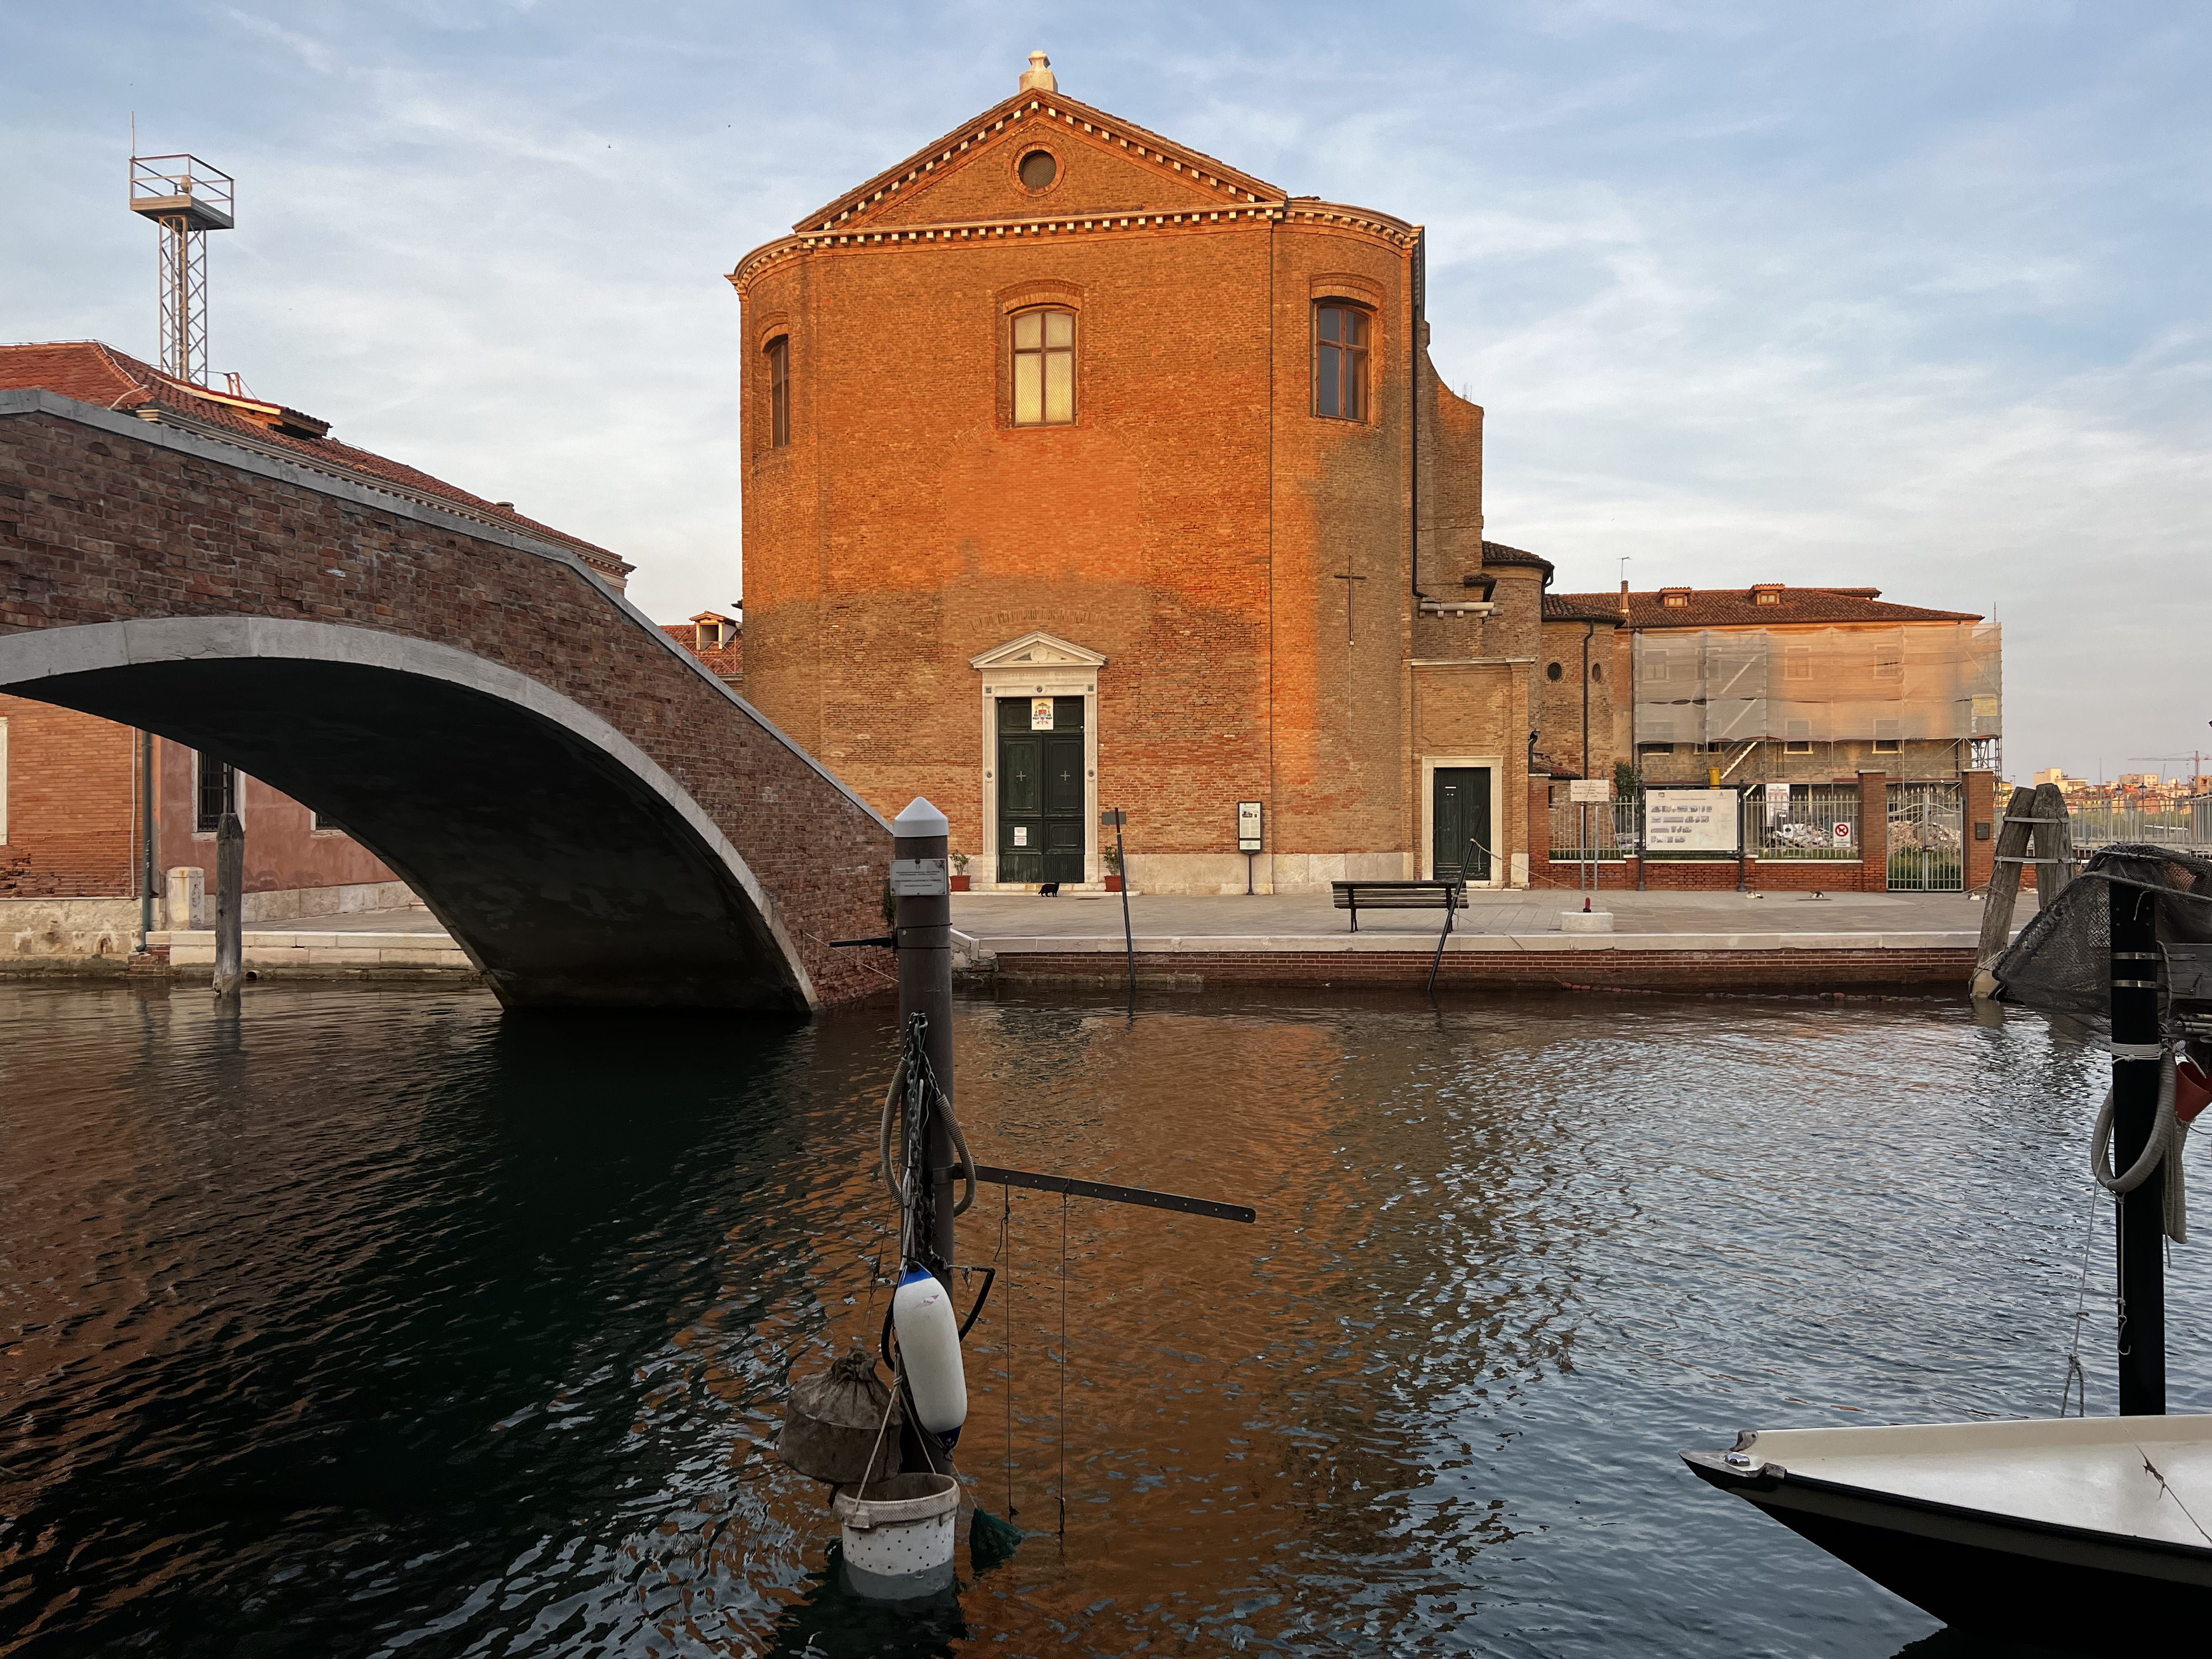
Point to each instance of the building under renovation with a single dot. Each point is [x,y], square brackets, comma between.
[1803,684]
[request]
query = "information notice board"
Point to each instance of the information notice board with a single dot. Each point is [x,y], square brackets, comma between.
[1690,821]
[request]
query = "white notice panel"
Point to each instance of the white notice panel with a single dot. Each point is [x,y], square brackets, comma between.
[1689,820]
[1248,826]
[1588,792]
[918,877]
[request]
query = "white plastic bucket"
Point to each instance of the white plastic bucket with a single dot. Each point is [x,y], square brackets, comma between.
[899,1539]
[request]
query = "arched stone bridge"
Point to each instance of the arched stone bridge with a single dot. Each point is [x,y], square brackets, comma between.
[594,816]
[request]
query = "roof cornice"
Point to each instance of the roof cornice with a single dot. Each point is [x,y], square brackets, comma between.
[1190,166]
[1328,217]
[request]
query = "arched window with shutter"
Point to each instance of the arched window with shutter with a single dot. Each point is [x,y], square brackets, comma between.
[778,352]
[1044,367]
[1340,361]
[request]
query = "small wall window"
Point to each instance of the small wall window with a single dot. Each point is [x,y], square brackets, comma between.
[215,791]
[1797,746]
[1044,368]
[1887,746]
[778,352]
[1597,671]
[1554,670]
[1038,170]
[1340,361]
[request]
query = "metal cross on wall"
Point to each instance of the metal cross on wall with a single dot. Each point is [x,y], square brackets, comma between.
[1347,579]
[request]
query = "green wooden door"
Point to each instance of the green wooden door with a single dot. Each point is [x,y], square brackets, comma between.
[1461,815]
[1042,802]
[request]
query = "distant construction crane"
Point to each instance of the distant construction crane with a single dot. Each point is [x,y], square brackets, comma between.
[187,198]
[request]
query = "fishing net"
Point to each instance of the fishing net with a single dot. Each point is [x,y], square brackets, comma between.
[2062,961]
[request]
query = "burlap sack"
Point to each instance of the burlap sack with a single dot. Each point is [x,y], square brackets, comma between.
[832,1421]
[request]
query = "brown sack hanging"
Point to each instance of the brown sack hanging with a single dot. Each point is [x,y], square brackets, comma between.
[834,1419]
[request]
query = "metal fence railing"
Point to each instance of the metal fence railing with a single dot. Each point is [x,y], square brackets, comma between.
[2176,823]
[1610,829]
[1801,821]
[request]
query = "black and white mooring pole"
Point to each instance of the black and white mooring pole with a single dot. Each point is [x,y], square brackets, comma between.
[921,897]
[2135,1119]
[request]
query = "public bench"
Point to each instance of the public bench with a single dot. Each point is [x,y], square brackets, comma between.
[1449,896]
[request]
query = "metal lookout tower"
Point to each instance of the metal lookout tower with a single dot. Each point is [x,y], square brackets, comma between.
[187,198]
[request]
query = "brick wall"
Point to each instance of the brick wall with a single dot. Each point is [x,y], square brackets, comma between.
[70,793]
[1196,524]
[1978,790]
[1775,972]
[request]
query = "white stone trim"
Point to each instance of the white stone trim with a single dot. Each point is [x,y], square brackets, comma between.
[1426,851]
[1053,667]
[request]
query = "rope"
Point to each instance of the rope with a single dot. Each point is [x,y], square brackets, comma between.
[2168,1136]
[910,1051]
[1006,1223]
[1063,1367]
[2076,1385]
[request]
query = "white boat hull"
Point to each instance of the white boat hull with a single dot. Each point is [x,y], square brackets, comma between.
[2080,1533]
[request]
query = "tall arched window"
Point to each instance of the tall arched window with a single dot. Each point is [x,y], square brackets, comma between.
[778,352]
[1044,367]
[1340,361]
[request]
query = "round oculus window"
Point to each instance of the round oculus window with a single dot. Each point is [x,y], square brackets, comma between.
[1553,672]
[1038,169]
[1597,671]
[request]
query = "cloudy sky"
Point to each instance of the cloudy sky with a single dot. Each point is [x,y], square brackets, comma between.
[1912,295]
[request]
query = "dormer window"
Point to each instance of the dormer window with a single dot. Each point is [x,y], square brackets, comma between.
[1674,598]
[1766,593]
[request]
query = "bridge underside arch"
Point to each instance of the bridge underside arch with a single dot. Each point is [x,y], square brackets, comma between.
[575,871]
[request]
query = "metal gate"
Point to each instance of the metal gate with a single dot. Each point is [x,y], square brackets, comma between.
[1927,838]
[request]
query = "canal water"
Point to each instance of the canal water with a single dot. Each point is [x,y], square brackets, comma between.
[377,1322]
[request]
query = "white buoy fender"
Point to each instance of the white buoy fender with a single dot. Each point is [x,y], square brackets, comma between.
[929,1353]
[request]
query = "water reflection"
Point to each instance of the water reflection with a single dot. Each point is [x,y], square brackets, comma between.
[375,1321]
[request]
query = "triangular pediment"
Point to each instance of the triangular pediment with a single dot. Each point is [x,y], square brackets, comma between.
[1037,649]
[1110,166]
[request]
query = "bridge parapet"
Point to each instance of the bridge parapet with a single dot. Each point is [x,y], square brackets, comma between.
[596,818]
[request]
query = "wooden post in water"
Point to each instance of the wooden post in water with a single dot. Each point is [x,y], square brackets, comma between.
[2004,886]
[2134,1113]
[921,896]
[2054,845]
[229,907]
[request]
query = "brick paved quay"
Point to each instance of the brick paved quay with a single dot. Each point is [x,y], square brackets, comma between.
[1789,942]
[1776,942]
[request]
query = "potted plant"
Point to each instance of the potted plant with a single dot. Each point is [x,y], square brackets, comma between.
[960,873]
[1113,857]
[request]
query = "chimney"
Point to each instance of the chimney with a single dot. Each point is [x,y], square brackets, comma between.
[1624,598]
[1038,76]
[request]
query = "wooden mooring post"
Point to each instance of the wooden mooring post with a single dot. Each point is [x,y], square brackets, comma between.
[2037,815]
[229,908]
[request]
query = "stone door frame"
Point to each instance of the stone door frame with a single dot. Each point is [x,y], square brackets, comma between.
[1501,861]
[1037,665]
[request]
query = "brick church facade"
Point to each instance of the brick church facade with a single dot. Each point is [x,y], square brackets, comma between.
[1085,471]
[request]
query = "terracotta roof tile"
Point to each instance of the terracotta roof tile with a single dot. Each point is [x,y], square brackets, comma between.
[1733,607]
[727,661]
[90,373]
[1577,607]
[1498,553]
